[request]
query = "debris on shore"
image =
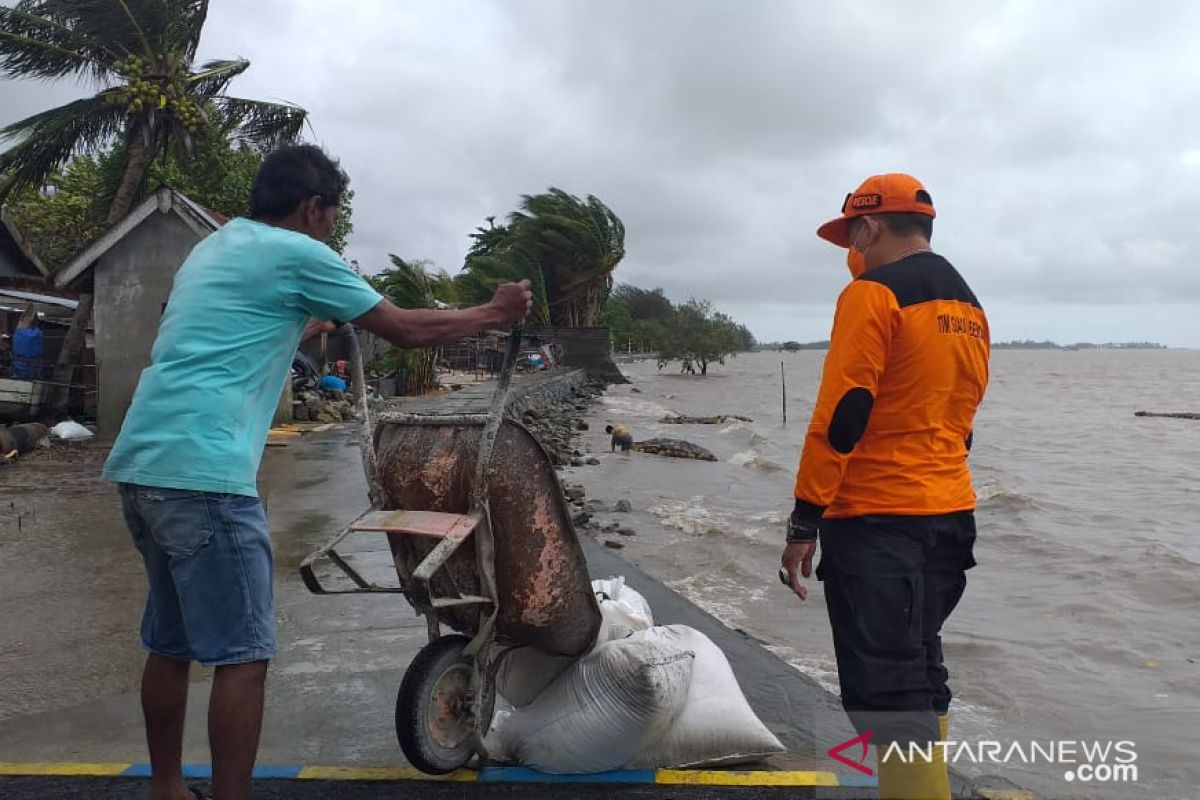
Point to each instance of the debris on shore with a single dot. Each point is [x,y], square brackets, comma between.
[323,405]
[1168,414]
[674,448]
[719,419]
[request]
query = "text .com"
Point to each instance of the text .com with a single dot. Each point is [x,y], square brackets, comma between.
[1083,761]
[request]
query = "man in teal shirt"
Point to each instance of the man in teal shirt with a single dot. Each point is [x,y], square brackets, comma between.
[188,453]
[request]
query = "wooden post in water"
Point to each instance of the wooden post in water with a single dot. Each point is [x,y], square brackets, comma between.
[783,383]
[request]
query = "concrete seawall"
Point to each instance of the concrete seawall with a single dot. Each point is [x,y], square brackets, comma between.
[530,391]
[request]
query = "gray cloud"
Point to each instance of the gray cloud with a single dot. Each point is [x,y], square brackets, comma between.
[1060,141]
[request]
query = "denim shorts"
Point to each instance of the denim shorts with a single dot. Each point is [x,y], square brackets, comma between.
[209,564]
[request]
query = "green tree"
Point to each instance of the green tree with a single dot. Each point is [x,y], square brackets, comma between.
[412,284]
[617,319]
[152,99]
[644,303]
[747,341]
[59,223]
[649,334]
[218,175]
[344,225]
[565,246]
[699,336]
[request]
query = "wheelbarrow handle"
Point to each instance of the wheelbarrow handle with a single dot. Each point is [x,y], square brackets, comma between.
[362,585]
[491,428]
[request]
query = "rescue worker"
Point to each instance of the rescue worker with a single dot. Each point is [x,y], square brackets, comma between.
[621,437]
[883,481]
[188,453]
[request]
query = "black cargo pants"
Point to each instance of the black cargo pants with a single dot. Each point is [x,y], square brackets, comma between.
[890,583]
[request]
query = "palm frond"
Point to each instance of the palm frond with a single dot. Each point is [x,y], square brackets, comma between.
[406,284]
[257,123]
[213,78]
[482,273]
[133,24]
[48,139]
[35,46]
[183,29]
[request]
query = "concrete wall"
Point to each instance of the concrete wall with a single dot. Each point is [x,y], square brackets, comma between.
[584,348]
[540,391]
[132,283]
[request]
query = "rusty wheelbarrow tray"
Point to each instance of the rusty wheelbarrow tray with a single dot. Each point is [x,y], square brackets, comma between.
[483,544]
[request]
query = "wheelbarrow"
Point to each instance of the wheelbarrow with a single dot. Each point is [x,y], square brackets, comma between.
[483,545]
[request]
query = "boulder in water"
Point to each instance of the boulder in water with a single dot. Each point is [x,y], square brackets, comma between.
[674,448]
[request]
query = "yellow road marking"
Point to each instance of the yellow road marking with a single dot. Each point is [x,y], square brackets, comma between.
[701,777]
[380,774]
[10,768]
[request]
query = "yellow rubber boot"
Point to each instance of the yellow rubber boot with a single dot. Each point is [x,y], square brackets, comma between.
[915,780]
[918,779]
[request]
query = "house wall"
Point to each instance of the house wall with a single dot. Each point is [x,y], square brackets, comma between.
[132,283]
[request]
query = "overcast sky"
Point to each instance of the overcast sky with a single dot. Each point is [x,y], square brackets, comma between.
[1060,141]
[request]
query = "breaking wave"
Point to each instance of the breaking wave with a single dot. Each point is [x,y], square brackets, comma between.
[753,459]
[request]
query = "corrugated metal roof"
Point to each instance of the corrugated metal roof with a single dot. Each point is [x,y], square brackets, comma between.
[44,299]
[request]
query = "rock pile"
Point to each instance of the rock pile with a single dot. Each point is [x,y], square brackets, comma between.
[555,425]
[323,405]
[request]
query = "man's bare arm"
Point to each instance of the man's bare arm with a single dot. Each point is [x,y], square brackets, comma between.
[405,327]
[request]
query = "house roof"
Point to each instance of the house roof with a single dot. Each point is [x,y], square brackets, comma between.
[163,200]
[10,232]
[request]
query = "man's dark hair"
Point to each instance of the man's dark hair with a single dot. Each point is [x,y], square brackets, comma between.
[908,224]
[291,175]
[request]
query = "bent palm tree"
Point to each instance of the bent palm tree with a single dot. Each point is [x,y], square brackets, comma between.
[578,243]
[141,52]
[568,249]
[499,256]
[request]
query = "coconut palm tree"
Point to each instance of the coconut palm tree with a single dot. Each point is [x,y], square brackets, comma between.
[152,97]
[578,244]
[567,248]
[498,256]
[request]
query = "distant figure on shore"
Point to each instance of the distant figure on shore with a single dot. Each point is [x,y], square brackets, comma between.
[621,437]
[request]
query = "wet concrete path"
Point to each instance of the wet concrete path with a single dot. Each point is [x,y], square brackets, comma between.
[72,589]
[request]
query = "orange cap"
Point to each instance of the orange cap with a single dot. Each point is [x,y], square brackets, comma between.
[894,193]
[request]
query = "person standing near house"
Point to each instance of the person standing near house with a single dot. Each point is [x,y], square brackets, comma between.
[187,456]
[883,480]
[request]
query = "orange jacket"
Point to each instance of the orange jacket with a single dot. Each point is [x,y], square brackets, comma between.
[906,369]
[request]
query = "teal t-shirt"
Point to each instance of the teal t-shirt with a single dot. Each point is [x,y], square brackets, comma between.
[239,305]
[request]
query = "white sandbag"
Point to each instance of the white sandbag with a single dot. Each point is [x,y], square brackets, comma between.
[71,431]
[599,714]
[623,610]
[716,725]
[525,672]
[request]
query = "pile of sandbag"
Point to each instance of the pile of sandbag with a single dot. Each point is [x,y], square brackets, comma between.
[645,697]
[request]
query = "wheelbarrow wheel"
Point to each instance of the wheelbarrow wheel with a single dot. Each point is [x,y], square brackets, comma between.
[434,721]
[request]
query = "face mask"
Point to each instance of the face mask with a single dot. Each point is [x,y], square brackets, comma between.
[856,260]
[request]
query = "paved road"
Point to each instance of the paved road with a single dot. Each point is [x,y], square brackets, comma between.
[123,788]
